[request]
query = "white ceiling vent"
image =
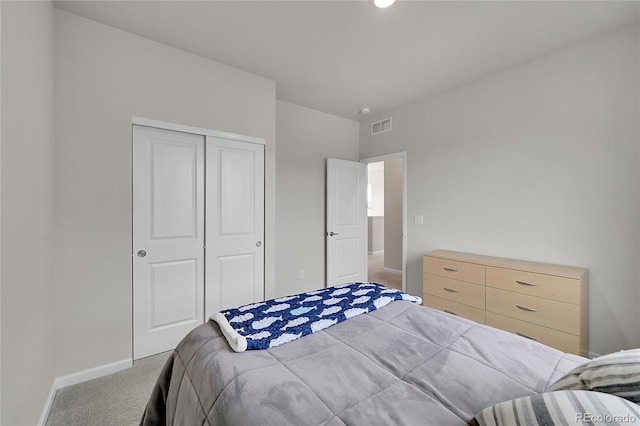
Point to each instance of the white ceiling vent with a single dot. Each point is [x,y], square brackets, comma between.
[381,126]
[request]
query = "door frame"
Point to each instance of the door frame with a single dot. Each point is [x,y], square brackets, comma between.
[166,125]
[393,156]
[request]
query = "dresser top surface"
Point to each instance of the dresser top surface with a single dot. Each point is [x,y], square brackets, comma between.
[520,265]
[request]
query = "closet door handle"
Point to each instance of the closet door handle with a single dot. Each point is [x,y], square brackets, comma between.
[450,290]
[450,269]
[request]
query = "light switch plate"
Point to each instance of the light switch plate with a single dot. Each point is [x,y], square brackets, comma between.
[418,220]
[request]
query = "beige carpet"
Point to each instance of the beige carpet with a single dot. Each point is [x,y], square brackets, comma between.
[378,275]
[118,399]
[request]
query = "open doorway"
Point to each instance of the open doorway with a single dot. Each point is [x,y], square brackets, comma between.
[385,215]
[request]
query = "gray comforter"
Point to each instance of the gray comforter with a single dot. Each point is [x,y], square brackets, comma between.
[403,364]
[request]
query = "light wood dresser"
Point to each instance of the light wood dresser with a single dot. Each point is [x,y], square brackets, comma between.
[543,302]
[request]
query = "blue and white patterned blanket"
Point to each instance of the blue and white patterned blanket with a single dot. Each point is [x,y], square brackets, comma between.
[274,322]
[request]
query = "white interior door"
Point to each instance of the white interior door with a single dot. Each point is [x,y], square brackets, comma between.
[235,224]
[346,222]
[168,237]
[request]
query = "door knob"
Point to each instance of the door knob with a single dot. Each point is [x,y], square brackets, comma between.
[331,234]
[259,244]
[141,253]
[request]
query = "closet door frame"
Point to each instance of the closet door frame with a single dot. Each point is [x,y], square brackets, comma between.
[195,130]
[208,134]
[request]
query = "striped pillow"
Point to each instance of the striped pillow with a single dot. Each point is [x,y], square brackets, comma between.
[561,408]
[617,373]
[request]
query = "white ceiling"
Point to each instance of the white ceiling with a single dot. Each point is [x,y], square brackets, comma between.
[339,56]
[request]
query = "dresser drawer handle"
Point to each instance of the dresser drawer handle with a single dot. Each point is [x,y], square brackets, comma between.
[528,337]
[450,290]
[524,308]
[527,284]
[450,269]
[449,312]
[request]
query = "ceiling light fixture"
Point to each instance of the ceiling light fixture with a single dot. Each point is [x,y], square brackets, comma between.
[365,110]
[383,3]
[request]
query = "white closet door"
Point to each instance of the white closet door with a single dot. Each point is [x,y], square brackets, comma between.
[235,224]
[168,237]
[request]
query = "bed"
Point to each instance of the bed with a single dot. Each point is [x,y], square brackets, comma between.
[402,364]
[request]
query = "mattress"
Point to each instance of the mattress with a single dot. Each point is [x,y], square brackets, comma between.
[403,364]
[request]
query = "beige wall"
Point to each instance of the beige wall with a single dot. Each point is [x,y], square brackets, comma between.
[306,138]
[537,162]
[105,76]
[27,169]
[375,179]
[393,176]
[375,234]
[0,214]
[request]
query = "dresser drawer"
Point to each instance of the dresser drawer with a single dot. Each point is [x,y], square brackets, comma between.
[465,311]
[540,285]
[564,342]
[454,290]
[549,313]
[462,271]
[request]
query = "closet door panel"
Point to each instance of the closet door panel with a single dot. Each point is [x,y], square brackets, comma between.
[168,237]
[235,224]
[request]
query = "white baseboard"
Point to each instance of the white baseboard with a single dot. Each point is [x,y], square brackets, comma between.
[93,373]
[376,251]
[393,271]
[48,404]
[79,377]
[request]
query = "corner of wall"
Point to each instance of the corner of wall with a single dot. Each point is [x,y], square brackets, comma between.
[0,211]
[26,102]
[638,130]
